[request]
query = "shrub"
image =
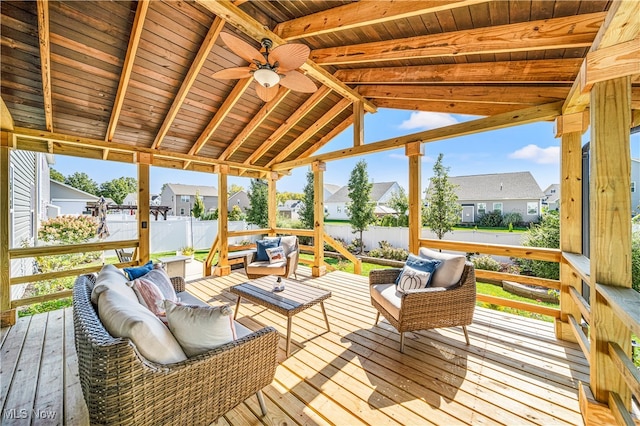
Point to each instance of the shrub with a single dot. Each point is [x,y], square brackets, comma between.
[492,219]
[389,220]
[635,261]
[356,246]
[513,219]
[544,234]
[486,262]
[386,251]
[68,229]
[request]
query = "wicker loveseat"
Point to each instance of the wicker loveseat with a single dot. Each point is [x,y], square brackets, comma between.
[425,308]
[120,386]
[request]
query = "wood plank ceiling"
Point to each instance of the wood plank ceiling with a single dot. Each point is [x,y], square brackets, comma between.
[138,74]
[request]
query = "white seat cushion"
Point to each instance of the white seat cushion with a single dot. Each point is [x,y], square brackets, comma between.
[387,296]
[125,318]
[266,268]
[449,271]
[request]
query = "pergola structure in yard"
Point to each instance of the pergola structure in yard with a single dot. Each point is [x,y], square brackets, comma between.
[131,81]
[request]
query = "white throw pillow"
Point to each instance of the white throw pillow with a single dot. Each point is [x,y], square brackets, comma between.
[275,254]
[113,278]
[124,318]
[200,328]
[288,243]
[449,271]
[413,279]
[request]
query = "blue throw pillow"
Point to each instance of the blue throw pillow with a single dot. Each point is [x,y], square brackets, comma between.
[420,264]
[263,245]
[136,272]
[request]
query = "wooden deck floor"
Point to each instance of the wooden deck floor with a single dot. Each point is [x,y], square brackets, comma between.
[514,372]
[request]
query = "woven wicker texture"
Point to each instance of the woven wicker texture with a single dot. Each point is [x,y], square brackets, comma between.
[431,307]
[292,264]
[121,387]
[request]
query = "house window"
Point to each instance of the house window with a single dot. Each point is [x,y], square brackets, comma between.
[338,209]
[553,191]
[497,206]
[185,198]
[482,208]
[633,186]
[532,208]
[182,211]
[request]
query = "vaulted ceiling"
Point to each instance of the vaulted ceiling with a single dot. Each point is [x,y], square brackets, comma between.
[110,76]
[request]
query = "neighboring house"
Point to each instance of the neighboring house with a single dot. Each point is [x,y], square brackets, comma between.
[330,189]
[507,192]
[28,204]
[551,198]
[635,190]
[180,198]
[132,200]
[240,199]
[290,209]
[70,200]
[336,204]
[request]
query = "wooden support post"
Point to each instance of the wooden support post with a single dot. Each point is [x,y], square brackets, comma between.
[143,210]
[610,207]
[8,316]
[272,202]
[414,152]
[570,127]
[318,268]
[358,123]
[223,268]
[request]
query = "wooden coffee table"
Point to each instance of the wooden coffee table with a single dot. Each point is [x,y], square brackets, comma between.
[295,298]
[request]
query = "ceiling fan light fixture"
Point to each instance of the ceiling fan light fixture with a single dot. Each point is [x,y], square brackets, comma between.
[266,77]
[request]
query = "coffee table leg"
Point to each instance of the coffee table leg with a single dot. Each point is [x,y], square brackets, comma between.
[235,314]
[288,336]
[326,320]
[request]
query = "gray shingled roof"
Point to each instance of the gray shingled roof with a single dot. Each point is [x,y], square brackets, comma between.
[331,187]
[497,186]
[377,191]
[204,191]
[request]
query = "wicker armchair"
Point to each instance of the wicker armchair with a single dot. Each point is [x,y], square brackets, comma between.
[431,307]
[256,269]
[120,386]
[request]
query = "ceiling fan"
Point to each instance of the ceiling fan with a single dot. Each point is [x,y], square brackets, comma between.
[270,68]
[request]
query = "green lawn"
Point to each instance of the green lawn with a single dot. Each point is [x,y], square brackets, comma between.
[497,291]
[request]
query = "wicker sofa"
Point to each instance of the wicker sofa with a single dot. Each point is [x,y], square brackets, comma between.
[120,386]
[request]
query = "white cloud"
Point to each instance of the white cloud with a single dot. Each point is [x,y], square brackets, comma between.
[550,155]
[428,120]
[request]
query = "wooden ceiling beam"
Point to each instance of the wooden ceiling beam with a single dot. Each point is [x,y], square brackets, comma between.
[192,75]
[449,107]
[559,33]
[42,141]
[127,67]
[298,115]
[228,104]
[619,60]
[328,137]
[6,120]
[255,123]
[45,61]
[311,130]
[362,14]
[500,121]
[620,25]
[538,71]
[492,94]
[248,25]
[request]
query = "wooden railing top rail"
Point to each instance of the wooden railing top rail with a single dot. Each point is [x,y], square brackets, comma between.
[580,264]
[625,304]
[54,250]
[534,253]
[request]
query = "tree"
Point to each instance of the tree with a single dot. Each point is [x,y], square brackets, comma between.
[442,211]
[360,208]
[198,206]
[235,213]
[56,175]
[83,182]
[306,212]
[281,197]
[117,189]
[544,234]
[400,203]
[235,188]
[258,211]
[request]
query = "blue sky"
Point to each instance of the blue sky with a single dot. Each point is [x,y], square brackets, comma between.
[523,148]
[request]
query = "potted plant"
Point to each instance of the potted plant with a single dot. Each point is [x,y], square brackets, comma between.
[186,251]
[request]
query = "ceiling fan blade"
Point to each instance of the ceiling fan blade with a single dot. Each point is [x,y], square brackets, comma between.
[242,48]
[266,93]
[289,56]
[233,73]
[297,81]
